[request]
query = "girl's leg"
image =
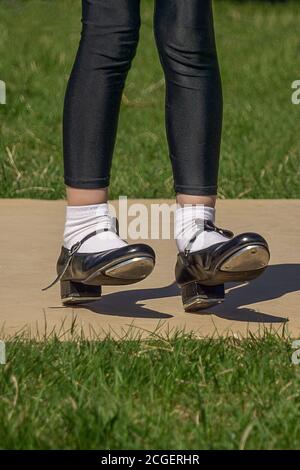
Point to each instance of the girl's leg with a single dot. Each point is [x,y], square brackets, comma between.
[93,254]
[110,32]
[184,33]
[109,38]
[208,256]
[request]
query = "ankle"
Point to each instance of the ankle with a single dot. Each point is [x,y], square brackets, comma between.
[86,197]
[189,199]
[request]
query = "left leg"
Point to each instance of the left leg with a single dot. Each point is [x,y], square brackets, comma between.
[184,34]
[208,256]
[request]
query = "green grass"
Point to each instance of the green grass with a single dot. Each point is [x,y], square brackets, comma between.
[177,393]
[182,392]
[259,51]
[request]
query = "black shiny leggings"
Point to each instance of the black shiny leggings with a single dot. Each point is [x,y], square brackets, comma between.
[184,34]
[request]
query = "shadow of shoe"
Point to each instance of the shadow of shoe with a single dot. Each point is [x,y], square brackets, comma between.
[128,303]
[276,281]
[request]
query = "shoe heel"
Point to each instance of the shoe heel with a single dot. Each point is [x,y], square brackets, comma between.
[196,296]
[76,292]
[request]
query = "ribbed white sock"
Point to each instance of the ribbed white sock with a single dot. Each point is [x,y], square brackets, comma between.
[186,226]
[82,220]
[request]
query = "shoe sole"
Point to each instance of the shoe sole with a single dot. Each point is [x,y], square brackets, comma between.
[128,271]
[75,301]
[197,303]
[250,258]
[132,269]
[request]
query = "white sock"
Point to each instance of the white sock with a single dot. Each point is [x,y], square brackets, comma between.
[186,227]
[82,220]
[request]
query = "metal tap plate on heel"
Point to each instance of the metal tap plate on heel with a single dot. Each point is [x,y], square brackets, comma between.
[73,293]
[196,296]
[247,259]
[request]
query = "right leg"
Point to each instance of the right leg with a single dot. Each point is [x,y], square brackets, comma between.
[93,254]
[109,38]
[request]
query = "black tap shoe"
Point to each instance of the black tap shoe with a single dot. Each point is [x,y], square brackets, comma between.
[202,274]
[81,275]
